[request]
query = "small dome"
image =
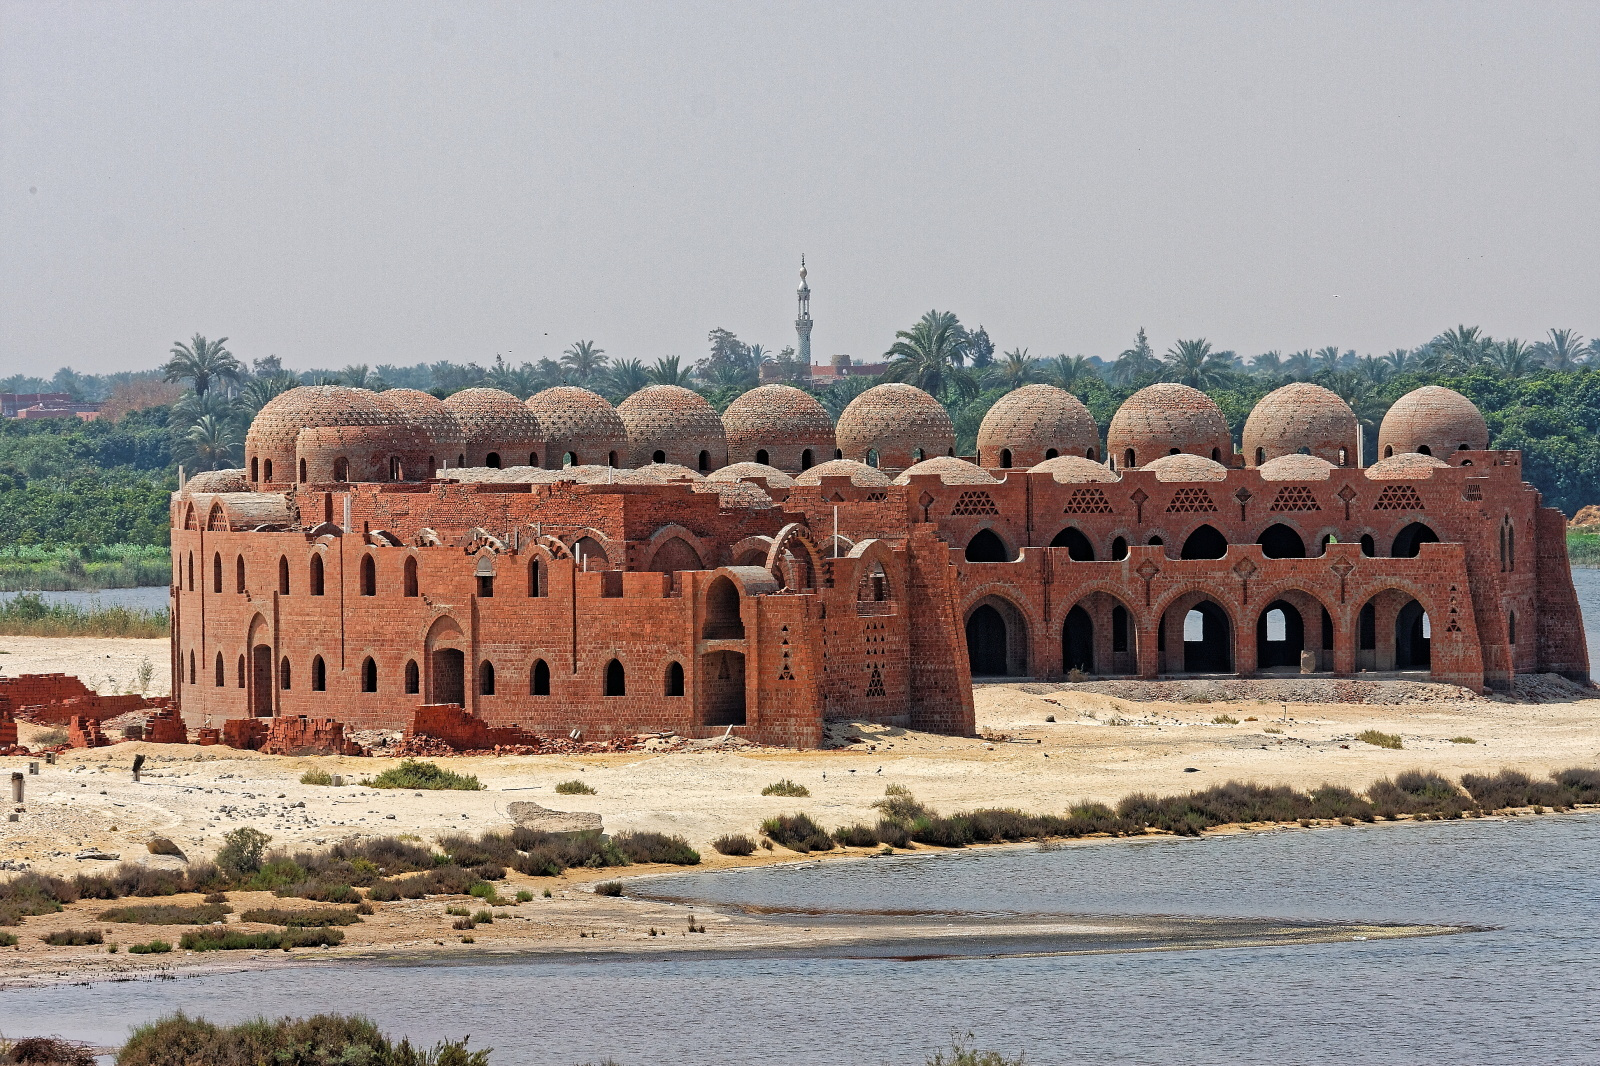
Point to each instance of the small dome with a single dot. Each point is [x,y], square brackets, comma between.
[736,494]
[499,429]
[580,423]
[216,481]
[781,421]
[1296,468]
[740,471]
[1160,419]
[671,472]
[429,412]
[1405,466]
[897,424]
[1024,427]
[1185,467]
[1301,415]
[1075,470]
[1434,421]
[951,471]
[861,475]
[672,424]
[270,445]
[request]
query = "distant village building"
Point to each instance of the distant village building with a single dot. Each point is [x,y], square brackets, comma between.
[46,405]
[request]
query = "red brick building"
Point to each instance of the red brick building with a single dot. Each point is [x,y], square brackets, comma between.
[357,570]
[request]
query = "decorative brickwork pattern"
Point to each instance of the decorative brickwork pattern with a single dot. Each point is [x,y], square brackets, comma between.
[1161,417]
[974,502]
[1301,415]
[1295,498]
[1398,498]
[1087,501]
[895,422]
[1033,423]
[1432,418]
[1191,501]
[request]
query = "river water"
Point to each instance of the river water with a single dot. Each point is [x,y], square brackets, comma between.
[1524,990]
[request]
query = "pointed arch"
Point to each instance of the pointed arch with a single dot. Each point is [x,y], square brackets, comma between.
[369,675]
[788,567]
[539,678]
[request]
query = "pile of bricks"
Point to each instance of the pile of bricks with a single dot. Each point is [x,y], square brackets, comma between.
[83,732]
[8,733]
[288,735]
[54,699]
[166,727]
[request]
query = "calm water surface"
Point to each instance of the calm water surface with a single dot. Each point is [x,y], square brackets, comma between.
[149,598]
[1525,991]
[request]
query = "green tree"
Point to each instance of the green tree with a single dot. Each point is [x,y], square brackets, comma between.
[1068,373]
[626,377]
[583,360]
[1136,364]
[930,354]
[202,363]
[667,371]
[1016,369]
[1193,363]
[1562,349]
[1513,358]
[210,444]
[1458,349]
[1268,363]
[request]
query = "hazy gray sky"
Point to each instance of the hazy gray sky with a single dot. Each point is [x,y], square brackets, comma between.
[396,182]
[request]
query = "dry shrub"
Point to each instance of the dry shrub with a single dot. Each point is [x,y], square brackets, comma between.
[734,844]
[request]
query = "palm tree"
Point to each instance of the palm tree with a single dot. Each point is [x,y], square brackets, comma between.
[627,376]
[584,360]
[668,372]
[1402,360]
[202,362]
[1459,349]
[1136,362]
[1513,358]
[929,356]
[1268,363]
[1328,358]
[1193,363]
[1301,364]
[210,443]
[1068,373]
[258,391]
[1561,351]
[1374,369]
[1015,369]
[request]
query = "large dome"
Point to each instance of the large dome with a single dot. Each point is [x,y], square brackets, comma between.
[672,424]
[1296,468]
[1165,419]
[780,426]
[951,471]
[861,475]
[1405,466]
[896,426]
[1434,421]
[776,478]
[430,413]
[1035,423]
[499,429]
[270,444]
[1301,416]
[1075,470]
[1185,467]
[581,424]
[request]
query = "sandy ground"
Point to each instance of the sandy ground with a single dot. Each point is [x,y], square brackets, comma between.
[105,664]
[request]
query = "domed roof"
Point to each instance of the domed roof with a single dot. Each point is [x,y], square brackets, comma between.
[736,494]
[671,472]
[280,420]
[490,416]
[1405,466]
[1032,421]
[216,481]
[430,413]
[861,475]
[1296,467]
[951,471]
[895,420]
[1160,418]
[673,420]
[776,414]
[1075,470]
[1300,415]
[740,471]
[570,415]
[1434,420]
[1186,467]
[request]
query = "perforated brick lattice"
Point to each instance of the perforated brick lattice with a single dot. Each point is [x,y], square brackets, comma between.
[1295,498]
[1087,501]
[1190,500]
[975,503]
[1398,498]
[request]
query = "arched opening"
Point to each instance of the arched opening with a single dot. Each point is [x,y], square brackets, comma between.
[874,585]
[1005,458]
[673,555]
[722,621]
[1119,548]
[411,575]
[1409,541]
[705,461]
[1369,547]
[1280,636]
[238,574]
[239,672]
[591,554]
[1155,542]
[191,666]
[284,674]
[571,459]
[221,672]
[674,685]
[611,458]
[1119,630]
[1344,457]
[1511,627]
[536,578]
[616,679]
[1079,550]
[341,469]
[761,457]
[1207,640]
[369,675]
[461,460]
[261,681]
[1279,541]
[533,459]
[369,576]
[302,471]
[283,575]
[1388,451]
[396,471]
[986,547]
[1172,451]
[917,455]
[486,678]
[1423,449]
[216,572]
[1091,455]
[1127,459]
[1050,453]
[448,682]
[872,457]
[315,580]
[997,639]
[805,459]
[1077,642]
[1413,638]
[254,469]
[1216,455]
[1207,543]
[539,679]
[658,456]
[722,683]
[319,674]
[266,469]
[413,678]
[191,571]
[1261,456]
[492,460]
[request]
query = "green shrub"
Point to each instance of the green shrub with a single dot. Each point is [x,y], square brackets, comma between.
[242,849]
[785,787]
[483,917]
[899,805]
[856,836]
[574,788]
[734,844]
[325,1038]
[8,940]
[300,919]
[797,832]
[1381,740]
[154,947]
[167,914]
[415,774]
[222,939]
[962,1053]
[656,847]
[65,938]
[524,896]
[608,888]
[316,777]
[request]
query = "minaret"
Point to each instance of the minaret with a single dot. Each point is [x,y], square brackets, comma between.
[802,325]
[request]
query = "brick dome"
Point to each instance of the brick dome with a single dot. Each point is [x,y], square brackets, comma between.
[1405,466]
[1186,467]
[741,471]
[861,475]
[437,420]
[499,429]
[779,426]
[216,481]
[1035,423]
[1301,415]
[1296,468]
[671,472]
[1075,470]
[1165,418]
[898,425]
[580,423]
[1434,421]
[736,494]
[951,471]
[271,442]
[672,424]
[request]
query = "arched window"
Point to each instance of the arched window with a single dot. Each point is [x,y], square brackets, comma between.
[283,575]
[486,678]
[1511,626]
[1409,541]
[872,457]
[986,547]
[492,460]
[675,679]
[658,457]
[616,679]
[396,472]
[1090,455]
[254,469]
[266,469]
[319,674]
[1079,550]
[1261,456]
[411,575]
[723,620]
[1216,455]
[241,671]
[1279,541]
[216,572]
[1005,458]
[535,578]
[369,576]
[1155,542]
[1050,453]
[1369,547]
[569,459]
[315,581]
[1344,457]
[705,461]
[1119,548]
[611,459]
[761,456]
[221,671]
[191,666]
[1388,450]
[917,455]
[191,571]
[341,469]
[369,675]
[805,459]
[1207,542]
[1127,459]
[1424,449]
[238,575]
[283,674]
[302,471]
[413,678]
[533,458]
[539,679]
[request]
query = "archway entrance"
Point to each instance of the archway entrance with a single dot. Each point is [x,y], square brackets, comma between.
[1413,638]
[1207,542]
[1077,642]
[261,681]
[986,547]
[1079,550]
[997,640]
[1207,640]
[722,675]
[1281,542]
[1280,636]
[448,683]
[1409,541]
